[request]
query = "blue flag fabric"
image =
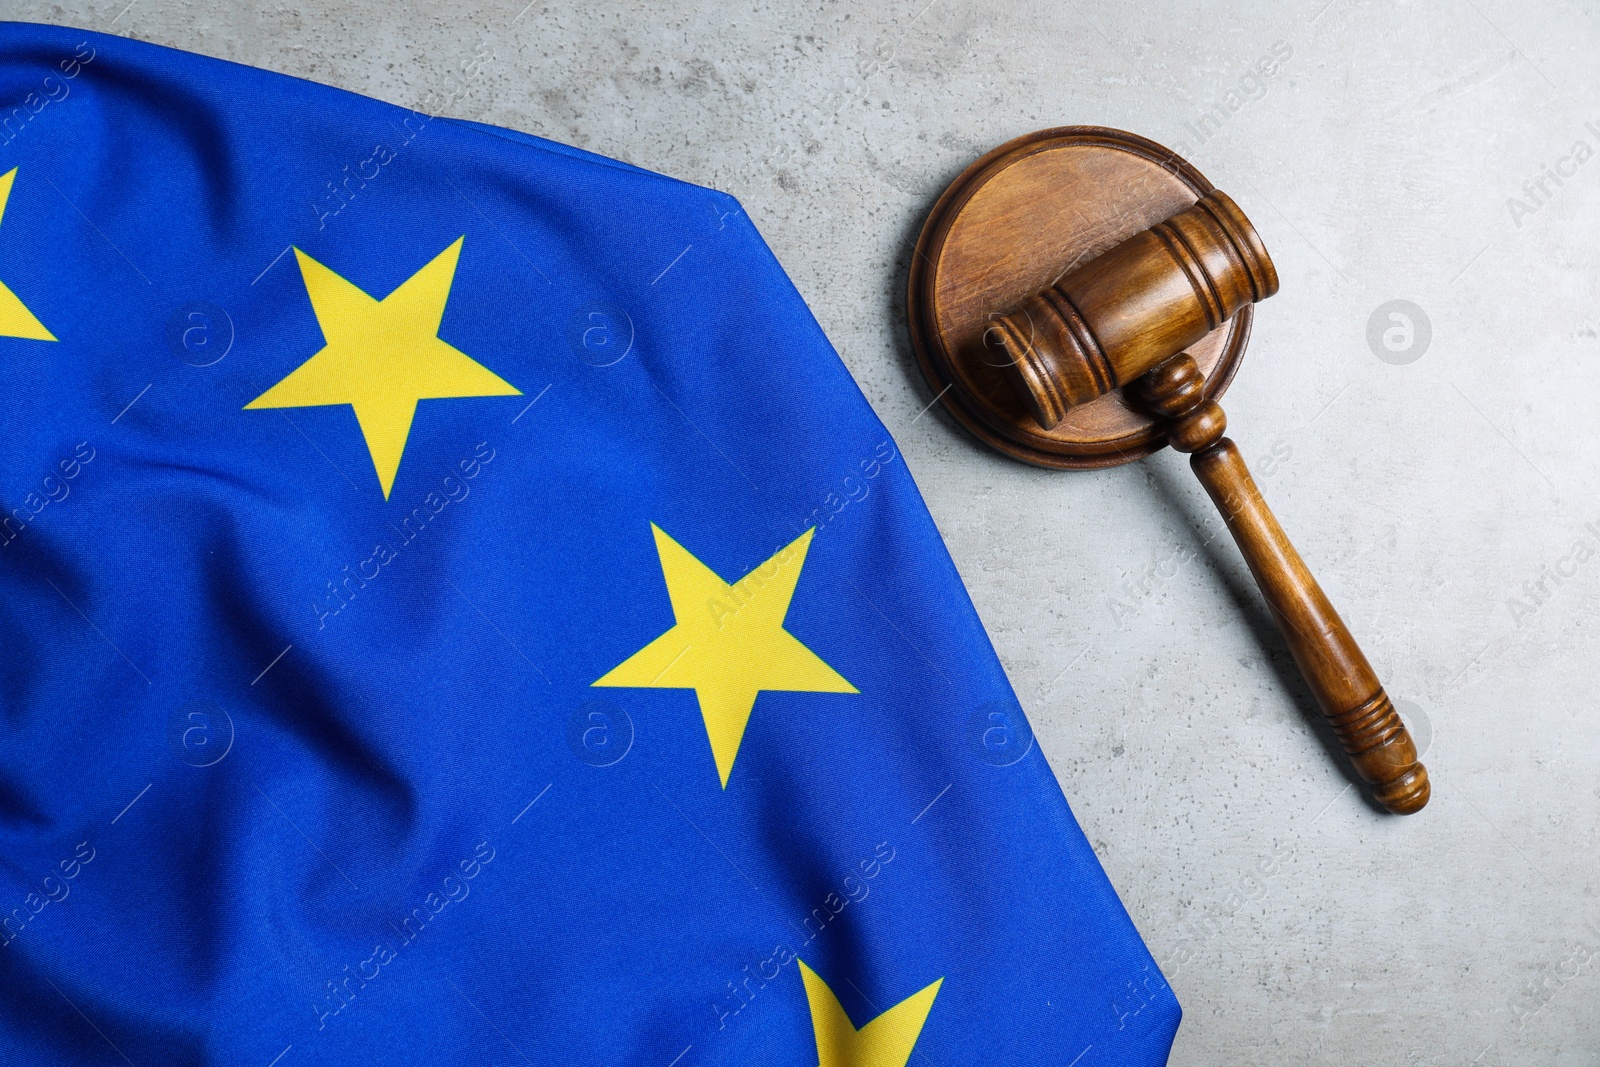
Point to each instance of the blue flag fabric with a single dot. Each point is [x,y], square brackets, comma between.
[456,608]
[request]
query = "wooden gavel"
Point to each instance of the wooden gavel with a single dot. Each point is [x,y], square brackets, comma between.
[1126,318]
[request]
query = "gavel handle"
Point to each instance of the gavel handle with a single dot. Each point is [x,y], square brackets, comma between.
[1339,676]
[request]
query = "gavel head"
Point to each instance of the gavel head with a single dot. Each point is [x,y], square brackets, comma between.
[1102,325]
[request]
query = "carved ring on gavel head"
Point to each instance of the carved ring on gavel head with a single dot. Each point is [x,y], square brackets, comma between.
[1080,297]
[1104,324]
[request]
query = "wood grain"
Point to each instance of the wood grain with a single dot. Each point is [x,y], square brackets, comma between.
[1079,298]
[1012,223]
[1345,687]
[1101,325]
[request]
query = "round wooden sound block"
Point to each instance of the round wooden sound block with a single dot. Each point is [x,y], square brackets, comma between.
[1011,224]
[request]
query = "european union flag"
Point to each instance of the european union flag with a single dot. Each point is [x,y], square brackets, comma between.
[455,608]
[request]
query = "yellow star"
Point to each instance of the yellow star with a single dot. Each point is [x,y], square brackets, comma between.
[729,643]
[886,1041]
[382,356]
[15,319]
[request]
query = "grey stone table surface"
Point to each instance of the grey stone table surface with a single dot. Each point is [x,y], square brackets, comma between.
[1438,470]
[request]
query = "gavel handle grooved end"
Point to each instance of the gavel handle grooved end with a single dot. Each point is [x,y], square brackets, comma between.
[1377,743]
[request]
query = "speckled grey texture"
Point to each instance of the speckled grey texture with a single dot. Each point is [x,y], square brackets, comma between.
[1438,500]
